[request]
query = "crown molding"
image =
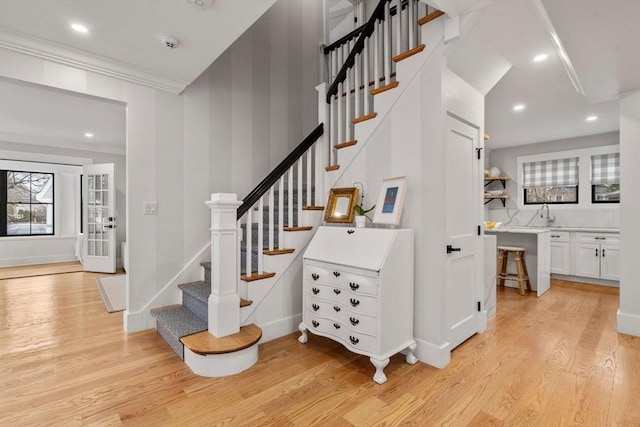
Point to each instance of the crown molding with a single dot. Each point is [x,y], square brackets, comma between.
[64,144]
[87,61]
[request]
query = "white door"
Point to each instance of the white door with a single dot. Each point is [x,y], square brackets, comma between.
[610,262]
[463,242]
[98,218]
[588,260]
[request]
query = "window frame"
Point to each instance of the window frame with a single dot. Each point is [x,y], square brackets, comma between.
[584,176]
[4,203]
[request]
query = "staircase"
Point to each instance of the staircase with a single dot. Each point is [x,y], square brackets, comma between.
[284,209]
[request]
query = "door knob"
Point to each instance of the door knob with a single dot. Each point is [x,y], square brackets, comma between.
[452,249]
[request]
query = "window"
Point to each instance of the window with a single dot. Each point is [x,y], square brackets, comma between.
[26,203]
[551,181]
[605,178]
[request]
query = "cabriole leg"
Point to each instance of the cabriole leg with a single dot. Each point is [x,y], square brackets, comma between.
[302,339]
[411,359]
[379,376]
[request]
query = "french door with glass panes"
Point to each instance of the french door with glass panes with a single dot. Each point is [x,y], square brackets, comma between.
[98,217]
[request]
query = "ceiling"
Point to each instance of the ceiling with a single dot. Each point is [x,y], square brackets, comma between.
[601,38]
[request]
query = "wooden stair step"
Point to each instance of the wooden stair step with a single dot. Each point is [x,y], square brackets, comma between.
[364,118]
[430,17]
[278,251]
[245,302]
[255,276]
[345,144]
[408,53]
[385,88]
[206,343]
[312,208]
[298,228]
[332,168]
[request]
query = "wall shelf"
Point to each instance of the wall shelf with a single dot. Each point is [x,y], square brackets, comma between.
[503,179]
[503,198]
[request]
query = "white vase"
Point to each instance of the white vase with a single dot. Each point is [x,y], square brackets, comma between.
[361,221]
[494,171]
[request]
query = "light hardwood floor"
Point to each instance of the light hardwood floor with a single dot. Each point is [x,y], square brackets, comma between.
[552,361]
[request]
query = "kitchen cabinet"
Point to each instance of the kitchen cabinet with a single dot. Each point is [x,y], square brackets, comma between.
[358,291]
[560,249]
[598,255]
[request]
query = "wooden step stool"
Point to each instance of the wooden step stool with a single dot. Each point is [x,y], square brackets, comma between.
[522,275]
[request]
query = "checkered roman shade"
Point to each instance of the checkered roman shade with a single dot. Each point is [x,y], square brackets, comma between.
[551,173]
[605,169]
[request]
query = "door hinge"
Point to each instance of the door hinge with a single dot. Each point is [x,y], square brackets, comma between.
[479,306]
[479,231]
[478,151]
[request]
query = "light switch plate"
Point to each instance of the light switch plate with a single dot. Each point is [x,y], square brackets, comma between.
[150,208]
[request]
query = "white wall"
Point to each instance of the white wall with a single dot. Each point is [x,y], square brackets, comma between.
[604,215]
[222,134]
[44,249]
[629,312]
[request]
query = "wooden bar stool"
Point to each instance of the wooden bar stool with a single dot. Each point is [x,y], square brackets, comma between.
[522,274]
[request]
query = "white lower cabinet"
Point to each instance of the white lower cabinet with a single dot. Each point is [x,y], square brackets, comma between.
[598,255]
[560,249]
[358,291]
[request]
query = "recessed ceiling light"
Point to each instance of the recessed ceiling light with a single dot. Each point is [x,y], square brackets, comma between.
[592,118]
[518,107]
[88,135]
[79,28]
[541,57]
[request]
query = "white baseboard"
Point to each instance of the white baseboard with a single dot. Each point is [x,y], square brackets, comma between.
[628,323]
[170,293]
[437,356]
[280,327]
[45,259]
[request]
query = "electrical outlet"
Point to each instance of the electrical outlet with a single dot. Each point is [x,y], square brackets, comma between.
[150,208]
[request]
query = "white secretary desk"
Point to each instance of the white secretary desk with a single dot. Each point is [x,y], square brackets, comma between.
[358,291]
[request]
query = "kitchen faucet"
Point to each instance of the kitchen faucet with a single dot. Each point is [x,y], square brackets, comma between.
[549,219]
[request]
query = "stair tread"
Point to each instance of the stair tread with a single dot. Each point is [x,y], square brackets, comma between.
[299,228]
[255,276]
[278,251]
[199,289]
[312,208]
[430,17]
[408,53]
[384,88]
[179,320]
[206,343]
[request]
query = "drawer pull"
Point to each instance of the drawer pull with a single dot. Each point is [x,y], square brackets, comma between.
[336,308]
[316,307]
[596,252]
[354,286]
[337,291]
[315,323]
[555,235]
[315,291]
[600,238]
[336,325]
[603,253]
[354,302]
[354,340]
[315,276]
[336,273]
[354,321]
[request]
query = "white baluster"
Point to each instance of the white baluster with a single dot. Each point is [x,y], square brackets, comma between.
[334,64]
[376,56]
[333,129]
[347,109]
[340,115]
[412,25]
[356,93]
[309,168]
[280,212]
[290,196]
[247,245]
[386,55]
[366,77]
[399,28]
[271,231]
[260,244]
[299,204]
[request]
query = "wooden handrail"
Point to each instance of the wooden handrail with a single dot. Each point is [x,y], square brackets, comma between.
[377,15]
[279,170]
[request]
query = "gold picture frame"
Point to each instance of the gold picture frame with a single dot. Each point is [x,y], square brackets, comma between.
[340,205]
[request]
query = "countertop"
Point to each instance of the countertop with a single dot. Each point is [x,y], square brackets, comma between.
[537,230]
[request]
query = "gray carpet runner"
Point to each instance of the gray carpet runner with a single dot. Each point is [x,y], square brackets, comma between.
[175,322]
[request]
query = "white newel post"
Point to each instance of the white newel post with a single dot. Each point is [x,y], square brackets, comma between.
[224,301]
